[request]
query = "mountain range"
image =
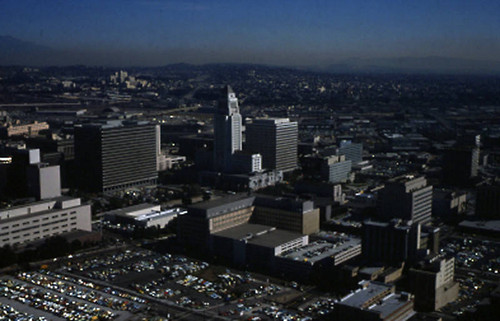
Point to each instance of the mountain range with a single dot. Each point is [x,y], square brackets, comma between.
[14,51]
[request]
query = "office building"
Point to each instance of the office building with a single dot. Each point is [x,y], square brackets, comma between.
[336,169]
[460,164]
[115,155]
[227,130]
[433,284]
[326,252]
[206,218]
[289,214]
[352,151]
[35,221]
[276,139]
[390,242]
[488,201]
[375,301]
[447,204]
[255,245]
[407,198]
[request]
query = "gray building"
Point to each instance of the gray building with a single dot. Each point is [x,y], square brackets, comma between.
[352,151]
[35,221]
[407,198]
[375,301]
[115,155]
[336,169]
[276,139]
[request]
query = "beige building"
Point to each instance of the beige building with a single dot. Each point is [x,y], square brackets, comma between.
[35,221]
[18,129]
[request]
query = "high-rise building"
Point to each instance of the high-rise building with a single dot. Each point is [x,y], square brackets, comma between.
[352,151]
[227,130]
[115,155]
[390,242]
[276,139]
[336,169]
[488,201]
[407,198]
[433,284]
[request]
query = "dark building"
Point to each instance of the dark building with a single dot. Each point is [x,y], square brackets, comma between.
[407,198]
[433,284]
[461,162]
[276,139]
[115,155]
[390,243]
[488,201]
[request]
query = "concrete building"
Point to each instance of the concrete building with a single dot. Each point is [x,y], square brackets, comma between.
[115,155]
[44,181]
[289,214]
[276,139]
[35,221]
[375,301]
[352,151]
[143,215]
[390,243]
[433,284]
[227,130]
[321,255]
[336,169]
[407,198]
[255,245]
[206,218]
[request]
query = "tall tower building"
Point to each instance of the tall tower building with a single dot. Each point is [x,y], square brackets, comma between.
[227,130]
[276,139]
[407,198]
[116,155]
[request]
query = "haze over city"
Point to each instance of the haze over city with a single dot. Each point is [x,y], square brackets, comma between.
[425,35]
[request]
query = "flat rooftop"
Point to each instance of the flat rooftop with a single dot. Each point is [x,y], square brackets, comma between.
[360,297]
[257,234]
[221,206]
[319,250]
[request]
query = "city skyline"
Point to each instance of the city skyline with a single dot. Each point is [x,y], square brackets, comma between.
[299,33]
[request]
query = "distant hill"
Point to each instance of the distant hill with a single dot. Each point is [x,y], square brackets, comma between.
[18,52]
[413,65]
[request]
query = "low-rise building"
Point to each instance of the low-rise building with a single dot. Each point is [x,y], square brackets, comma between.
[375,301]
[35,221]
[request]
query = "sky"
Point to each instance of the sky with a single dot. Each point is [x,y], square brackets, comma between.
[283,32]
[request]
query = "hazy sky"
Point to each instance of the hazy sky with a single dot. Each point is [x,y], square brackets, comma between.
[273,31]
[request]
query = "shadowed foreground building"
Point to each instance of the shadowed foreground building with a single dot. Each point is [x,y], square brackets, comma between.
[276,139]
[115,155]
[433,284]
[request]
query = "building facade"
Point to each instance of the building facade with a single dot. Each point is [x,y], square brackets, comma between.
[407,198]
[227,131]
[33,222]
[116,155]
[276,139]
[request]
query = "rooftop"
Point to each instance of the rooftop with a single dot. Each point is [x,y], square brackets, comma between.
[258,234]
[319,250]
